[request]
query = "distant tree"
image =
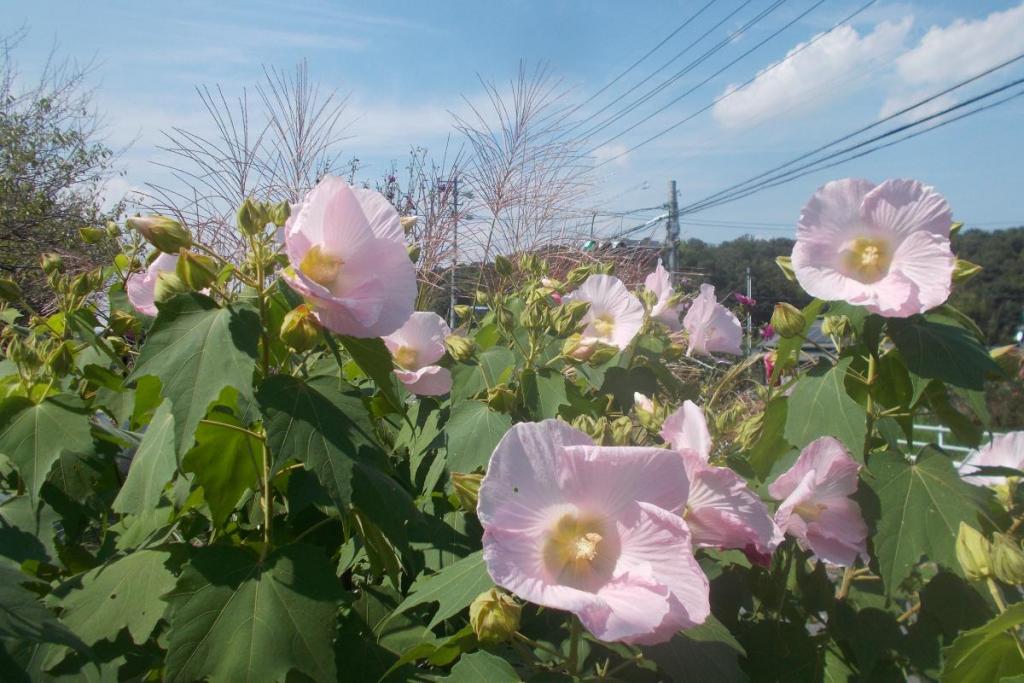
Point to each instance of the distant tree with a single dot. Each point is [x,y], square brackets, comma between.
[54,166]
[995,297]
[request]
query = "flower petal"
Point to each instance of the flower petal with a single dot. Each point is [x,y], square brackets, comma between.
[432,380]
[687,429]
[907,206]
[612,478]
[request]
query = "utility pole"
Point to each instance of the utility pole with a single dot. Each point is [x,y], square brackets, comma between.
[455,251]
[672,227]
[750,320]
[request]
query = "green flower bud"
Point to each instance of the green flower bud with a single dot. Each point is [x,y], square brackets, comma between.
[168,285]
[9,290]
[279,213]
[955,228]
[534,317]
[82,285]
[460,348]
[62,359]
[463,311]
[579,349]
[577,276]
[964,270]
[113,231]
[501,398]
[494,616]
[503,266]
[166,234]
[408,223]
[648,298]
[835,325]
[1007,560]
[123,322]
[414,252]
[621,431]
[467,489]
[195,270]
[1008,358]
[481,297]
[251,218]
[51,263]
[787,320]
[785,263]
[300,330]
[92,235]
[973,552]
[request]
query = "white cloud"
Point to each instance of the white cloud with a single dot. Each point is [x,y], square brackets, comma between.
[963,48]
[616,153]
[820,67]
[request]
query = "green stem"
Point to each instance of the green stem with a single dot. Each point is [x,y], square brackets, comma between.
[575,631]
[993,588]
[872,371]
[538,646]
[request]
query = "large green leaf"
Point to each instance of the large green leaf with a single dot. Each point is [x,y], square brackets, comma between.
[493,367]
[482,666]
[197,348]
[27,530]
[326,429]
[453,588]
[987,653]
[771,444]
[236,618]
[819,406]
[921,505]
[473,431]
[34,435]
[935,350]
[23,617]
[227,460]
[704,653]
[545,392]
[374,359]
[152,468]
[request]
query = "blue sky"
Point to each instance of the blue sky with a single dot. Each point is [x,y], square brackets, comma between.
[406,65]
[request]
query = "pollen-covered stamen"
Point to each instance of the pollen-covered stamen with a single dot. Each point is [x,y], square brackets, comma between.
[867,259]
[319,267]
[577,550]
[604,325]
[809,511]
[586,546]
[406,357]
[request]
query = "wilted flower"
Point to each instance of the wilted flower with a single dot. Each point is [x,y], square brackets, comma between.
[592,530]
[1004,450]
[142,286]
[348,259]
[416,346]
[711,326]
[687,429]
[816,506]
[615,315]
[665,309]
[885,247]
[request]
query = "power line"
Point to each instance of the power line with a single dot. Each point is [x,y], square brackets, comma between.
[815,165]
[753,179]
[732,92]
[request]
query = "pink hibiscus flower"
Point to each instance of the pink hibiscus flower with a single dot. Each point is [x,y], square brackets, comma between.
[687,430]
[592,530]
[615,315]
[660,283]
[1005,450]
[141,287]
[349,260]
[816,508]
[711,326]
[884,247]
[416,346]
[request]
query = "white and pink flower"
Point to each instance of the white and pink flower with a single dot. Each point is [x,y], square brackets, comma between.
[615,315]
[665,310]
[816,506]
[885,247]
[686,429]
[592,530]
[141,287]
[1005,450]
[712,328]
[348,256]
[416,347]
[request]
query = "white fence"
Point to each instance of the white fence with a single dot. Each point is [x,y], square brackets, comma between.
[941,433]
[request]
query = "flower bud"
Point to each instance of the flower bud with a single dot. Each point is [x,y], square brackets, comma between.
[166,234]
[785,263]
[494,616]
[9,290]
[503,266]
[408,223]
[955,228]
[787,320]
[835,325]
[579,349]
[501,398]
[1008,358]
[467,489]
[92,235]
[62,359]
[534,317]
[279,213]
[1007,560]
[649,299]
[414,252]
[972,552]
[459,348]
[195,270]
[577,276]
[551,283]
[300,330]
[51,263]
[251,218]
[621,431]
[463,311]
[82,285]
[113,231]
[168,285]
[123,322]
[481,297]
[964,270]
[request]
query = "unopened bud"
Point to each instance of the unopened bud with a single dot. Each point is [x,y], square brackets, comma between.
[123,322]
[463,311]
[787,320]
[300,330]
[501,398]
[168,285]
[955,228]
[1009,358]
[113,231]
[503,266]
[62,359]
[82,284]
[579,349]
[166,234]
[408,223]
[835,325]
[534,317]
[9,290]
[577,276]
[51,263]
[621,430]
[459,348]
[482,297]
[964,270]
[195,270]
[467,489]
[279,213]
[973,552]
[1007,560]
[251,219]
[494,616]
[414,252]
[785,264]
[92,235]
